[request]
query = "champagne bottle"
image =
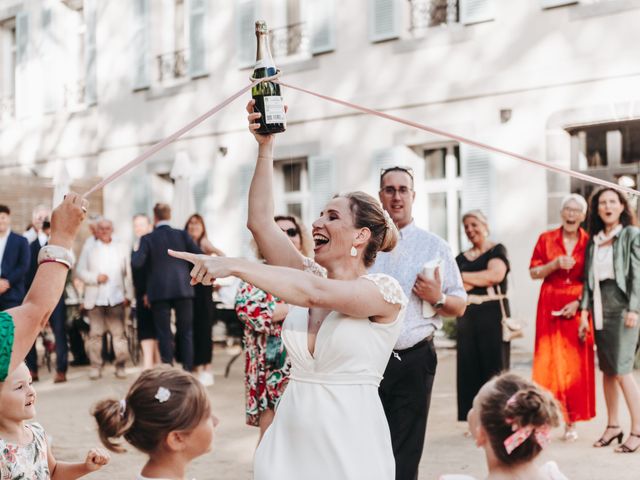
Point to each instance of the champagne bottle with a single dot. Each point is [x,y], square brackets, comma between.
[267,94]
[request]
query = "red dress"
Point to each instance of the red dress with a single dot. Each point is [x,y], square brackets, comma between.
[561,362]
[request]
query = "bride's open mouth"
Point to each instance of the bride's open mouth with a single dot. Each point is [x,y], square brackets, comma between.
[319,240]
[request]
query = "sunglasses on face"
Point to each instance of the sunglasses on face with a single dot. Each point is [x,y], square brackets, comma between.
[291,232]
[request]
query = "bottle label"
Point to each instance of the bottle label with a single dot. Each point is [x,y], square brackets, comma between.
[273,109]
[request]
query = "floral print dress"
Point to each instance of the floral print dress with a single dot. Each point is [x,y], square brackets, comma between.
[266,362]
[25,462]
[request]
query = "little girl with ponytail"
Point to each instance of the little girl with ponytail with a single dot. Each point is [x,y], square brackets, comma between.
[167,415]
[511,420]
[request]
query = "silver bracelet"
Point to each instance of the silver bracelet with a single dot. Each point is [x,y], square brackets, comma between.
[55,253]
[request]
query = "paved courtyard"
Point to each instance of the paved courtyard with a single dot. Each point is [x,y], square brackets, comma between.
[64,412]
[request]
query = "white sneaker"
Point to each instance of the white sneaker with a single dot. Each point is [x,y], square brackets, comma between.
[206,379]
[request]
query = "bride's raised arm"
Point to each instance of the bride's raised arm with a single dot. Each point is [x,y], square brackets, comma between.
[272,242]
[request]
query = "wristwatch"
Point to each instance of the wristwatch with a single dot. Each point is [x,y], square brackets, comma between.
[55,253]
[440,303]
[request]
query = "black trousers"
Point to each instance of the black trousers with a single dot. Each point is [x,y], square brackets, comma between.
[202,325]
[161,312]
[405,392]
[58,322]
[481,353]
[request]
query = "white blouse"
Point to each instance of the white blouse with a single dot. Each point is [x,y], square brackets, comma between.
[604,263]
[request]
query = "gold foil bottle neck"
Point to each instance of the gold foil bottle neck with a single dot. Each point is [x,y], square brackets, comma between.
[261,27]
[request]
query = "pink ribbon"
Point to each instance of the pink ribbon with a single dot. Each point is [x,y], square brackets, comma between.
[541,435]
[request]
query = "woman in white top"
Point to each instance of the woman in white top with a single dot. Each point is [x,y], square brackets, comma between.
[329,423]
[511,419]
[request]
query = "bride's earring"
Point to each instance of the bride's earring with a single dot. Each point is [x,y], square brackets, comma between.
[353,252]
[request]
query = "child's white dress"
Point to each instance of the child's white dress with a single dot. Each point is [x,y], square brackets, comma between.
[27,462]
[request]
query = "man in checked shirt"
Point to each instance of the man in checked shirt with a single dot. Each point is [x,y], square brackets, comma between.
[405,390]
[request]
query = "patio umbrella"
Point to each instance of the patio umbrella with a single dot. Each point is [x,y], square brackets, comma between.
[61,183]
[183,204]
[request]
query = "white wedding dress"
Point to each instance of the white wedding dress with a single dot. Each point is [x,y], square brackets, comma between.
[330,423]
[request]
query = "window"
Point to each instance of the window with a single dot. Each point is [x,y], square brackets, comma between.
[8,76]
[606,145]
[74,77]
[293,194]
[443,184]
[172,61]
[289,35]
[425,14]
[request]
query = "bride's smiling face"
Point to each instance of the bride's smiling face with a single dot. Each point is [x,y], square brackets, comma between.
[334,232]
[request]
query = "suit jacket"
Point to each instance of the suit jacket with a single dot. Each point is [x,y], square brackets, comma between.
[626,267]
[88,269]
[167,278]
[15,265]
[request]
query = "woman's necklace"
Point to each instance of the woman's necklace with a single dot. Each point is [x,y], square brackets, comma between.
[475,252]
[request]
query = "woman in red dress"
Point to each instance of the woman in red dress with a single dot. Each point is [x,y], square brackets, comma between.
[562,362]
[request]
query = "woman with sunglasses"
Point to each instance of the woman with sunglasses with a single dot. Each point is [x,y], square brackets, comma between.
[266,362]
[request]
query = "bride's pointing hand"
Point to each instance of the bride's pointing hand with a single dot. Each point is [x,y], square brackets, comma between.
[205,268]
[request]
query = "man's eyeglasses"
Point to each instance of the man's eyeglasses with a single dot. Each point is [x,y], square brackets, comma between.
[396,168]
[391,191]
[291,232]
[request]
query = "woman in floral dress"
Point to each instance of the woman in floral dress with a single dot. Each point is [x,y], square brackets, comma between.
[266,362]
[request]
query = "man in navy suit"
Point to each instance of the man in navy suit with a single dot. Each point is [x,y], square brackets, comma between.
[58,318]
[168,284]
[14,262]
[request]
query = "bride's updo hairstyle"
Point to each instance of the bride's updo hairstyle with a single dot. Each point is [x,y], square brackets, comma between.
[162,400]
[368,212]
[512,404]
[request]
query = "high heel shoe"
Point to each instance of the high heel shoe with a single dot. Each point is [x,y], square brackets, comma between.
[605,442]
[624,449]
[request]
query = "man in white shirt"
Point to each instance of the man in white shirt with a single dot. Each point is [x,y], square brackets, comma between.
[405,390]
[106,273]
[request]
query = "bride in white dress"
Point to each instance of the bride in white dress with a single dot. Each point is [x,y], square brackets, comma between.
[329,423]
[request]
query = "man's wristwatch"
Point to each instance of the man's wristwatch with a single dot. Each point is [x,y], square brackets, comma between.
[55,253]
[440,303]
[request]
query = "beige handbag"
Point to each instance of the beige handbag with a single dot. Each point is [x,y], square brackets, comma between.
[511,328]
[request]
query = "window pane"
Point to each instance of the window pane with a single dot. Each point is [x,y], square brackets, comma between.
[631,143]
[294,209]
[292,176]
[434,163]
[438,214]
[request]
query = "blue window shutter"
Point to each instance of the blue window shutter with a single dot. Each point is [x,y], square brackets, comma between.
[141,47]
[90,75]
[476,11]
[321,21]
[385,19]
[197,38]
[52,94]
[477,179]
[246,16]
[22,60]
[322,182]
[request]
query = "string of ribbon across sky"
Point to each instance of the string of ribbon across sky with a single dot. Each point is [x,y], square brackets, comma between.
[174,136]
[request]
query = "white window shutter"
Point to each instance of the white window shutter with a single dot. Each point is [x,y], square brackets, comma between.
[385,19]
[321,15]
[201,191]
[321,182]
[52,94]
[245,175]
[197,38]
[90,75]
[556,3]
[476,11]
[246,16]
[141,47]
[477,179]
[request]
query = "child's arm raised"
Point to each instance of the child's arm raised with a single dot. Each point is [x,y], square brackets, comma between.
[96,459]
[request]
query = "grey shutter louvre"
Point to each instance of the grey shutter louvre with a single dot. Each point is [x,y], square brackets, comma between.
[321,15]
[477,179]
[90,75]
[22,57]
[556,3]
[52,94]
[141,73]
[246,16]
[475,11]
[245,175]
[197,39]
[385,19]
[201,191]
[321,181]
